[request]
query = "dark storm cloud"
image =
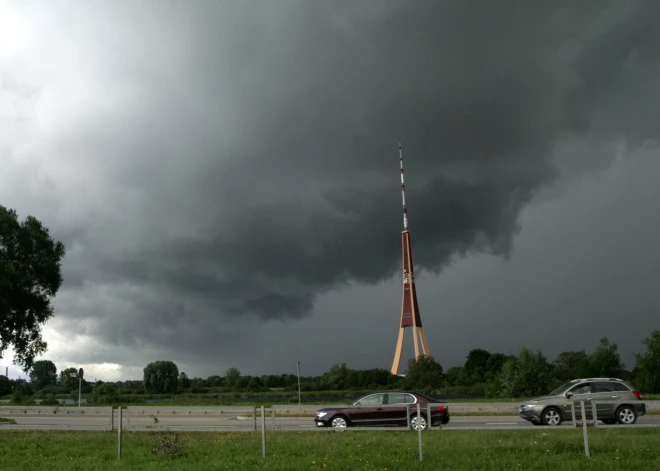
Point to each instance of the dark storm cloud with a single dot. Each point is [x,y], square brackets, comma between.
[304,196]
[247,155]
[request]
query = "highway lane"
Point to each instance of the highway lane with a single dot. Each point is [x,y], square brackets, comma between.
[234,422]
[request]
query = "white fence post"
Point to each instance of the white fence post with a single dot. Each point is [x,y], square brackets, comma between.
[419,431]
[594,414]
[263,432]
[119,426]
[584,429]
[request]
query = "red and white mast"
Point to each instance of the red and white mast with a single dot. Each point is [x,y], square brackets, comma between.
[403,191]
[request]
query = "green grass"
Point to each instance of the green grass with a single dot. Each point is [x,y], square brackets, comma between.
[617,449]
[7,421]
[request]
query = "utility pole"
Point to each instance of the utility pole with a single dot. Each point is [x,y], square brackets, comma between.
[299,400]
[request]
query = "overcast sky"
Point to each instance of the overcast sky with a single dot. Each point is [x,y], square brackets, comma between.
[224,175]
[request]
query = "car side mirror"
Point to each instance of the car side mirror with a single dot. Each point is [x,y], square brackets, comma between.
[568,395]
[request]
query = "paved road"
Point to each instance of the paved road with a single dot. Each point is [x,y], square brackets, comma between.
[231,421]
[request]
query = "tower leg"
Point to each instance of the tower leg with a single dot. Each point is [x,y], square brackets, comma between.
[425,345]
[397,352]
[416,341]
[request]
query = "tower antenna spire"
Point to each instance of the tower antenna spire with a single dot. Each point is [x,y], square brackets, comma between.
[410,316]
[403,191]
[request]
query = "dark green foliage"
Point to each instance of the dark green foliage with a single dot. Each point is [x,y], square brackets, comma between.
[49,400]
[105,393]
[161,377]
[571,365]
[605,362]
[255,384]
[30,276]
[476,363]
[232,376]
[648,364]
[5,385]
[494,365]
[19,397]
[69,379]
[424,374]
[183,379]
[525,375]
[43,373]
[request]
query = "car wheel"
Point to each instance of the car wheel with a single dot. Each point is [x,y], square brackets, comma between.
[551,416]
[418,422]
[626,415]
[339,421]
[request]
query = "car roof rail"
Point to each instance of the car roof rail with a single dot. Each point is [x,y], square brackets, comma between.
[597,379]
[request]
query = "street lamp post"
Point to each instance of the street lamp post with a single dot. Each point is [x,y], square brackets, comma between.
[80,377]
[299,401]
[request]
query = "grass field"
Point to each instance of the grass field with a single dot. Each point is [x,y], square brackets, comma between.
[634,449]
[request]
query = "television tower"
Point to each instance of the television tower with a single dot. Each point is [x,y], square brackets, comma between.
[409,309]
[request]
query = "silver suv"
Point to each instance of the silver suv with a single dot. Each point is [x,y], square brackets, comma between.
[616,401]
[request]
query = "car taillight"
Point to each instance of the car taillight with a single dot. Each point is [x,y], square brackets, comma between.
[638,394]
[442,408]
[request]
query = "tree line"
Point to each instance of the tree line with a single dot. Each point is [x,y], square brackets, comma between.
[525,374]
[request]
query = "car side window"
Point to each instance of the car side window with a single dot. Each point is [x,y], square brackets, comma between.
[584,388]
[400,398]
[396,398]
[373,400]
[602,387]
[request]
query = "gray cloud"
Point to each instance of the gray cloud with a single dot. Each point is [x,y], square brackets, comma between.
[231,161]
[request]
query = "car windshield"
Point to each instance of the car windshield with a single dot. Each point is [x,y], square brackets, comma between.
[560,389]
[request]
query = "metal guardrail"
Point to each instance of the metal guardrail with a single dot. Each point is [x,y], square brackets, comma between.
[50,418]
[156,418]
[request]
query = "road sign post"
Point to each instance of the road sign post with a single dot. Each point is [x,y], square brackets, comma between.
[80,377]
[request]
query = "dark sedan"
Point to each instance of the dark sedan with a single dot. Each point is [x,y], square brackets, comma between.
[382,409]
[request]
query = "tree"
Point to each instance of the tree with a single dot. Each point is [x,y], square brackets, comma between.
[605,361]
[255,384]
[30,276]
[161,377]
[494,365]
[337,378]
[105,393]
[571,365]
[232,375]
[475,365]
[185,382]
[423,373]
[5,385]
[69,379]
[43,373]
[648,364]
[526,375]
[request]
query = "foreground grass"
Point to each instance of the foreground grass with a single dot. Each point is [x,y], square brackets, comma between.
[634,449]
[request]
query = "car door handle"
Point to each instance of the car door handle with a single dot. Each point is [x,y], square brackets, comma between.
[614,395]
[588,399]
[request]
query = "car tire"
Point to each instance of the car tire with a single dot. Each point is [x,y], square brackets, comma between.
[339,422]
[417,422]
[551,416]
[626,415]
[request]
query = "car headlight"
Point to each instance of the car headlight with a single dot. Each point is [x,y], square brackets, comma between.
[321,414]
[528,406]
